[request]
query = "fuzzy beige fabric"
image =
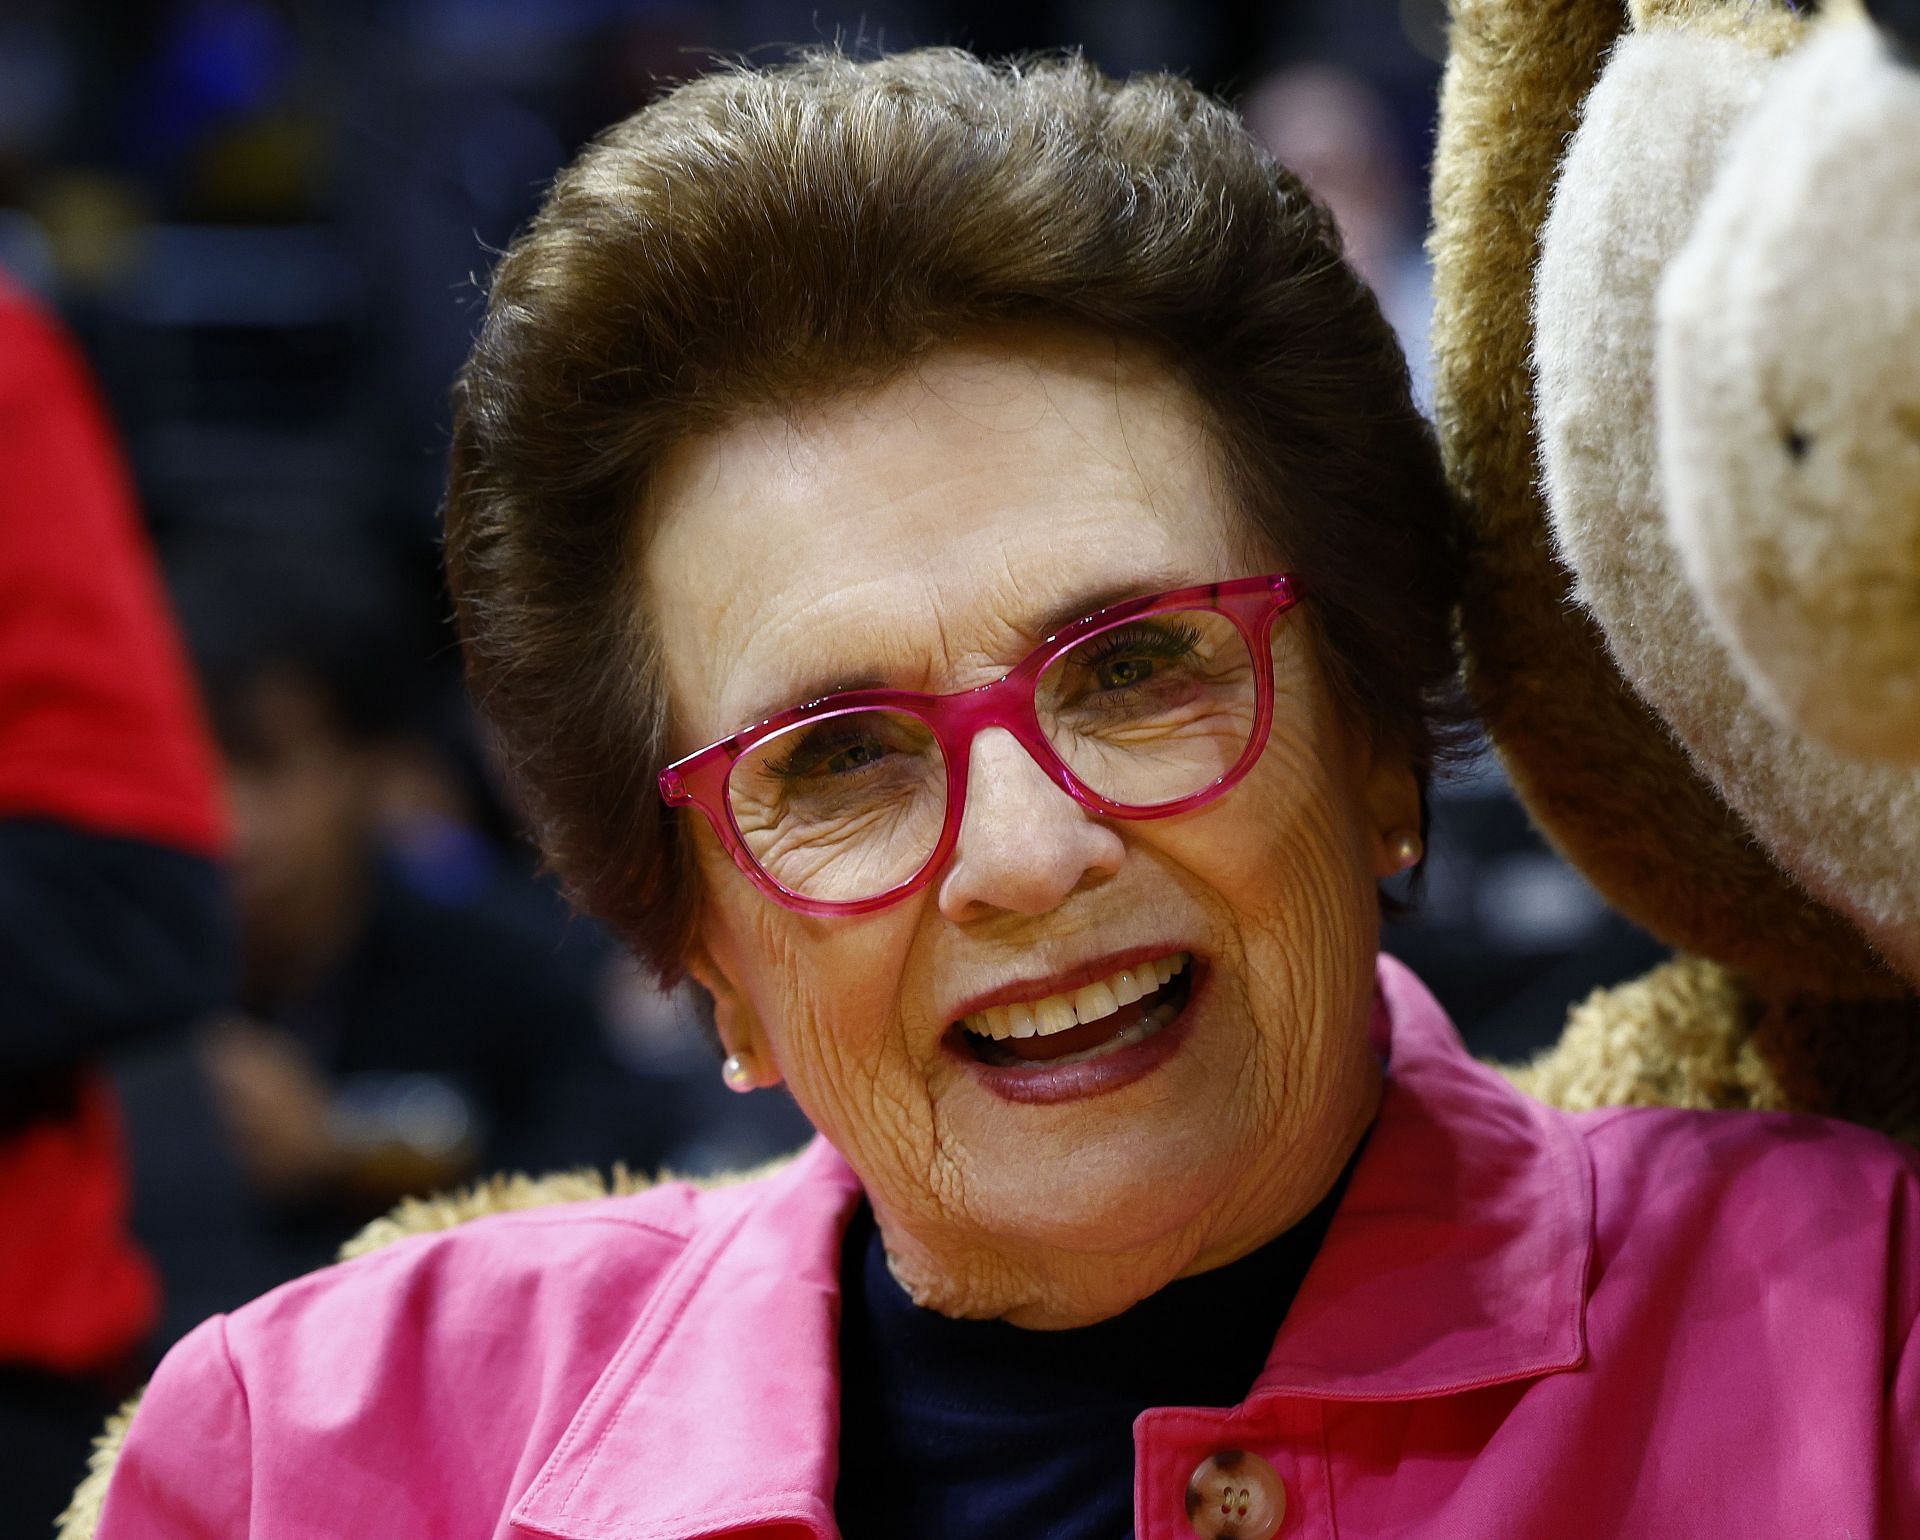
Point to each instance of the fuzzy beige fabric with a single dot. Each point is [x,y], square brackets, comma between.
[1788,385]
[1688,1035]
[501,1194]
[1771,28]
[1648,155]
[1678,1037]
[1598,769]
[82,1516]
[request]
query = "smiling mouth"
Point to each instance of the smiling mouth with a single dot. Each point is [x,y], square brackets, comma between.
[1097,1019]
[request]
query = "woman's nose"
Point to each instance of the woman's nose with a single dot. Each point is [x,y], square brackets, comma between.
[1024,844]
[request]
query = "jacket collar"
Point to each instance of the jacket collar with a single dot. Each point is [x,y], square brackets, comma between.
[721,1411]
[1457,1259]
[1459,1256]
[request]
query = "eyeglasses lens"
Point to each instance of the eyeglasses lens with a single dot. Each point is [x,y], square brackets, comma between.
[1148,712]
[1153,710]
[842,807]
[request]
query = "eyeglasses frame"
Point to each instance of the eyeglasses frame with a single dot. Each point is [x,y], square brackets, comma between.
[1253,604]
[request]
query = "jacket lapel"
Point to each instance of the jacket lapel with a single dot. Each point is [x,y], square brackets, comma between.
[721,1410]
[1459,1256]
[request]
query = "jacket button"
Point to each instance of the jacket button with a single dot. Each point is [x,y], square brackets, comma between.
[1235,1495]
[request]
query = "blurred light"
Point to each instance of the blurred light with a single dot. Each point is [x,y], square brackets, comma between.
[1533,903]
[26,254]
[212,275]
[1424,22]
[35,85]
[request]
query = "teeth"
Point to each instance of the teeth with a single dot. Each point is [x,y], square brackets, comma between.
[1093,1002]
[1056,1013]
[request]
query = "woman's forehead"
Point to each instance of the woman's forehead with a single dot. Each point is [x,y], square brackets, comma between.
[916,534]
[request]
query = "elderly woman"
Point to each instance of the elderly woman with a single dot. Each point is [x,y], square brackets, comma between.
[953,560]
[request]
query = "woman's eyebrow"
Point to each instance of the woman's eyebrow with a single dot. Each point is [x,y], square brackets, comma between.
[816,689]
[1057,618]
[1087,601]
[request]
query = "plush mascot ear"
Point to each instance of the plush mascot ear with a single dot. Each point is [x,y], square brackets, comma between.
[1605,776]
[1674,815]
[1789,390]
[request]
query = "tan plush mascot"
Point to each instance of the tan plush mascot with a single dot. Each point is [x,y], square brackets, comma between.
[1677,335]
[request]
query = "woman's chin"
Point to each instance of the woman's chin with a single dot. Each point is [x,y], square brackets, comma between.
[1112,1192]
[1105,1151]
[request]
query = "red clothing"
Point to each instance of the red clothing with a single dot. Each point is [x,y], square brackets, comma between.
[1521,1322]
[99,731]
[99,725]
[75,1293]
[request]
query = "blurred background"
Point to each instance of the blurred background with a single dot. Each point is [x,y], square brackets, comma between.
[267,224]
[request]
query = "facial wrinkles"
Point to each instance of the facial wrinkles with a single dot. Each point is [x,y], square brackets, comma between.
[811,1006]
[827,601]
[925,558]
[1319,846]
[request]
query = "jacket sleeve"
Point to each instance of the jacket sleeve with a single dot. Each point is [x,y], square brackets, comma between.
[1903,1442]
[103,939]
[1900,1458]
[184,1471]
[1902,1454]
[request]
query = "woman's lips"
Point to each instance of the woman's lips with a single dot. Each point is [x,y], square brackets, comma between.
[1026,1077]
[1071,979]
[1064,1012]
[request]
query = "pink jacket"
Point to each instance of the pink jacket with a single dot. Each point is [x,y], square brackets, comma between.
[1522,1323]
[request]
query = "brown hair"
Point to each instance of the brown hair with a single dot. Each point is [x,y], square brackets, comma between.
[758,237]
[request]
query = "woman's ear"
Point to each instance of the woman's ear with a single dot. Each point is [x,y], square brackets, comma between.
[1393,811]
[737,1022]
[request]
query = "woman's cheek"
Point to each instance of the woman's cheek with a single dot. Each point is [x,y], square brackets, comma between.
[832,1009]
[1300,888]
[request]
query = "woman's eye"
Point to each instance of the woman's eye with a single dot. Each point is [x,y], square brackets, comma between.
[833,754]
[1123,673]
[831,758]
[1132,657]
[855,756]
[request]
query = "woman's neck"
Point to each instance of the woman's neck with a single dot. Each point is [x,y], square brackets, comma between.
[1046,1288]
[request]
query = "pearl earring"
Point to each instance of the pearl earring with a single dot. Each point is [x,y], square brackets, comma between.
[1407,849]
[737,1073]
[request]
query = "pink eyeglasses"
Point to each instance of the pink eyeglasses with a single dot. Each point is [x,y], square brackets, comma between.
[1143,710]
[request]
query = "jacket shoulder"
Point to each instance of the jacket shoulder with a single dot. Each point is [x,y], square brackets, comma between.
[1805,1202]
[1819,1157]
[496,1296]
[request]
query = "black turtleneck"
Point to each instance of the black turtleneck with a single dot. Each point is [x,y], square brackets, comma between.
[955,1429]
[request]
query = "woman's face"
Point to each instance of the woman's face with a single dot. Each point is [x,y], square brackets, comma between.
[925,536]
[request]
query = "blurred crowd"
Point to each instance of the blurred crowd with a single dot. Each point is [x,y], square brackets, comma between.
[242,244]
